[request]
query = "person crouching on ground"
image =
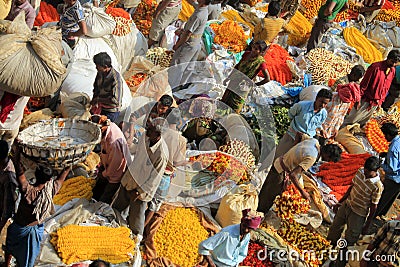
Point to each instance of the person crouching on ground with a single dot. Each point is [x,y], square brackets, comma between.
[229,247]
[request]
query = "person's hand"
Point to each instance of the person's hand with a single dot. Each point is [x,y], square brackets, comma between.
[324,133]
[306,195]
[336,207]
[175,47]
[334,133]
[357,105]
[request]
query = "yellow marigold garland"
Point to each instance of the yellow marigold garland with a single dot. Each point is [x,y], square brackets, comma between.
[179,236]
[77,187]
[363,46]
[75,243]
[299,29]
[230,35]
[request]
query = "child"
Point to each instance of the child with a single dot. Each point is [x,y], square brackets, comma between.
[359,202]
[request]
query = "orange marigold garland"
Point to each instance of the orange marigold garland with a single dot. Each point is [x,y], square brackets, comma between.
[375,136]
[278,70]
[123,20]
[230,35]
[338,176]
[144,15]
[135,80]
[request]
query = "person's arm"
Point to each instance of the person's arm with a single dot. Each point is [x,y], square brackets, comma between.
[30,18]
[163,5]
[294,176]
[19,169]
[141,111]
[371,215]
[393,158]
[211,243]
[329,9]
[371,8]
[82,30]
[294,111]
[266,75]
[117,88]
[182,39]
[63,175]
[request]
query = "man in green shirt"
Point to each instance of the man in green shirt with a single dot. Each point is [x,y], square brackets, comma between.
[326,15]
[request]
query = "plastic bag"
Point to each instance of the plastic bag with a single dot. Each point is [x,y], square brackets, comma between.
[242,197]
[98,22]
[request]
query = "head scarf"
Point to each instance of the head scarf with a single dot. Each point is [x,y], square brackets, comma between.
[349,93]
[251,219]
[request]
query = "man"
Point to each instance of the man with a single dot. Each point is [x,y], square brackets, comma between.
[8,185]
[107,92]
[394,93]
[11,113]
[357,207]
[214,9]
[307,117]
[115,157]
[129,5]
[139,184]
[229,246]
[176,144]
[374,88]
[99,263]
[391,167]
[355,75]
[152,109]
[188,47]
[167,11]
[296,161]
[326,14]
[269,27]
[25,234]
[370,9]
[385,246]
[19,6]
[72,21]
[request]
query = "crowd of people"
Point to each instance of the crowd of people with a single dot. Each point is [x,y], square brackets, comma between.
[135,171]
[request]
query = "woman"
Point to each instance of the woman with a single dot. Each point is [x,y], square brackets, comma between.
[25,233]
[251,64]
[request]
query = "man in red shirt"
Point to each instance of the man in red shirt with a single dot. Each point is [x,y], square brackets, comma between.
[374,88]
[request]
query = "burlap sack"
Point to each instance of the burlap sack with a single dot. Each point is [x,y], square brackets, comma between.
[242,197]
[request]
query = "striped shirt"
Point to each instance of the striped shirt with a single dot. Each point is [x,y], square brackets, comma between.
[304,154]
[267,29]
[387,242]
[337,110]
[370,3]
[364,193]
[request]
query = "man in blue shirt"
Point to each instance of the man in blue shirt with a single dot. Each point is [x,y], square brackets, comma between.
[392,169]
[229,246]
[307,117]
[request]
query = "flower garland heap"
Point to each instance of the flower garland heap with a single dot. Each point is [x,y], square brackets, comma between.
[75,243]
[290,202]
[230,35]
[179,236]
[76,187]
[143,16]
[123,20]
[375,136]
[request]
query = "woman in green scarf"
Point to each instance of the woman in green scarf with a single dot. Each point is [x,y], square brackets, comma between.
[250,65]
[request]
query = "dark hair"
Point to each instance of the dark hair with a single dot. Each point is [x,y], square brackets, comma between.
[372,164]
[174,116]
[389,129]
[325,93]
[4,148]
[99,263]
[394,55]
[262,44]
[274,8]
[166,100]
[43,175]
[102,59]
[333,151]
[207,2]
[358,71]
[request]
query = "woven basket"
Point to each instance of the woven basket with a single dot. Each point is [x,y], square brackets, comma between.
[59,143]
